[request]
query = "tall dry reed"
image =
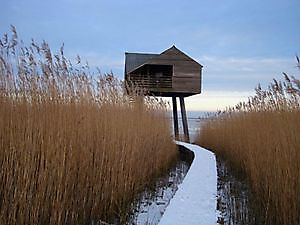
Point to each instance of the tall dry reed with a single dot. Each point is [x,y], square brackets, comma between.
[73,148]
[261,138]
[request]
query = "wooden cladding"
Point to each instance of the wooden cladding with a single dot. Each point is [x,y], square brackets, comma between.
[171,73]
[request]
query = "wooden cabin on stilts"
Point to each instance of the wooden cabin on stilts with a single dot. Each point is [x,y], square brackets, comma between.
[171,73]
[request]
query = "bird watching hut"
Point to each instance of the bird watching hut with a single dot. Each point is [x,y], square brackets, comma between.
[171,73]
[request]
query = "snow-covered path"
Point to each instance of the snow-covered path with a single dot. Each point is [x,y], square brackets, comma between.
[195,200]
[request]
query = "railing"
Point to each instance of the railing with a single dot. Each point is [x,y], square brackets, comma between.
[151,82]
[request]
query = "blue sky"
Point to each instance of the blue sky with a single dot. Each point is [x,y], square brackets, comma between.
[240,43]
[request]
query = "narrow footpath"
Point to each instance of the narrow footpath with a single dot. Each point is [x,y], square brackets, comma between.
[195,201]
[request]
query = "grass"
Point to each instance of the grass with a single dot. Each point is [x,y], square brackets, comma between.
[74,149]
[260,138]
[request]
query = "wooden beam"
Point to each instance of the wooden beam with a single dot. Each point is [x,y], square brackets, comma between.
[175,118]
[184,120]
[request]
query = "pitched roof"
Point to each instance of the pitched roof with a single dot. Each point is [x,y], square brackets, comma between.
[133,60]
[136,60]
[174,49]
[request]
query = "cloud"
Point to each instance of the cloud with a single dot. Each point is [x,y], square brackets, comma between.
[216,100]
[211,101]
[216,69]
[243,74]
[226,81]
[240,67]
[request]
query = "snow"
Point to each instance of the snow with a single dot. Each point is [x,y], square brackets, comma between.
[195,200]
[151,207]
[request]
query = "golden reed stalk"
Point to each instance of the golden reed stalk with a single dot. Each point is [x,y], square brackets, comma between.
[261,138]
[73,147]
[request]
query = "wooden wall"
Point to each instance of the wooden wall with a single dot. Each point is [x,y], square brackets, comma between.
[186,77]
[186,72]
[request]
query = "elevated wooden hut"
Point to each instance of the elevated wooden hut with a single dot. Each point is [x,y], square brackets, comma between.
[171,73]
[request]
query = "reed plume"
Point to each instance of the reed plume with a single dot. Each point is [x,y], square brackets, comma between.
[74,148]
[261,139]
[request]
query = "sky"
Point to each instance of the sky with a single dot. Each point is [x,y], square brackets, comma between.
[240,43]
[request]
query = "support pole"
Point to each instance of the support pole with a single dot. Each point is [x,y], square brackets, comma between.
[184,120]
[175,118]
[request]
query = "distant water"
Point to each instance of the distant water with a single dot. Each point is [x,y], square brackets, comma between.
[192,114]
[195,120]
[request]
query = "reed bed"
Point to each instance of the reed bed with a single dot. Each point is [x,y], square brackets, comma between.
[74,149]
[260,138]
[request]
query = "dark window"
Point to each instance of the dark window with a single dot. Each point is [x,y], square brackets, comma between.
[153,76]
